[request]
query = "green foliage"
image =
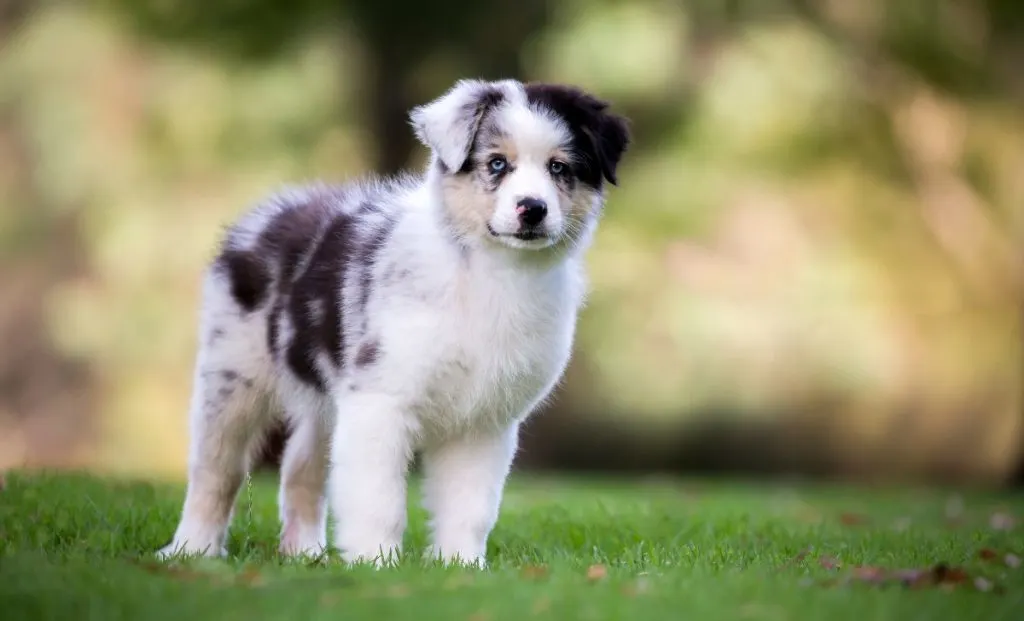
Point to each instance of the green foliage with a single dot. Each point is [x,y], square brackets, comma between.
[253,30]
[821,204]
[561,550]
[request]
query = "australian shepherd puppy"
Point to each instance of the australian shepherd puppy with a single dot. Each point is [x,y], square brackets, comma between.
[382,318]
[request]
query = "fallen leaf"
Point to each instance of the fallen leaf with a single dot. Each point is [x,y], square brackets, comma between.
[1012,560]
[172,570]
[799,558]
[853,519]
[913,578]
[534,572]
[944,574]
[829,562]
[596,572]
[869,574]
[251,577]
[988,554]
[1001,521]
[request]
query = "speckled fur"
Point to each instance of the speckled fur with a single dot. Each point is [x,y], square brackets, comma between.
[386,317]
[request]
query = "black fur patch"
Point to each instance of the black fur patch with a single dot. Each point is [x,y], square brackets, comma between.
[299,262]
[367,354]
[320,284]
[599,137]
[248,275]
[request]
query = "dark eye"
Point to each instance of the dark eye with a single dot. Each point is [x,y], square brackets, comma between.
[497,164]
[557,168]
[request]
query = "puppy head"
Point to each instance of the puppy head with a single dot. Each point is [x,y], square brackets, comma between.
[521,165]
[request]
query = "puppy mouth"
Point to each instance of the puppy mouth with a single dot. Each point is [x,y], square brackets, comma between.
[527,235]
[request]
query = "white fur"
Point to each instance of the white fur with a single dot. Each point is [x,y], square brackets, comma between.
[469,349]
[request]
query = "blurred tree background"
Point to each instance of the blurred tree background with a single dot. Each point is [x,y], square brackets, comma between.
[813,264]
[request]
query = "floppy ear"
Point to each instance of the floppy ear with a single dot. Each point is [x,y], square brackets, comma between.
[600,136]
[448,125]
[611,138]
[608,134]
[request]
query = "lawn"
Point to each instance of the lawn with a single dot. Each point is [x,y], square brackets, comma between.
[76,547]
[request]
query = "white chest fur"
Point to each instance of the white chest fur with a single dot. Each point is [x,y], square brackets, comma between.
[488,350]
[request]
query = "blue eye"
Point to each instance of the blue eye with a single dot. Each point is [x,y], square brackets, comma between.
[557,168]
[497,164]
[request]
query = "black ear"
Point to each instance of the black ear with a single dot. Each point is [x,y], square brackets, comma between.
[600,137]
[611,137]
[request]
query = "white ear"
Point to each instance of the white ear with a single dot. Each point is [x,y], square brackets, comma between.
[448,125]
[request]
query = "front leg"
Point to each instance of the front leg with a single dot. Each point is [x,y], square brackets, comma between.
[370,456]
[464,479]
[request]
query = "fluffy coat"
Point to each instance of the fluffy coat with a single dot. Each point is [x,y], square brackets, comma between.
[430,313]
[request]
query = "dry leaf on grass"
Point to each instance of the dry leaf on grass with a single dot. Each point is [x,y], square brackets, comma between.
[869,574]
[829,562]
[799,558]
[251,576]
[596,572]
[941,576]
[534,572]
[175,571]
[1010,560]
[853,519]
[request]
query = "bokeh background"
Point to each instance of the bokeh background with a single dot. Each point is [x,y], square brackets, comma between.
[813,263]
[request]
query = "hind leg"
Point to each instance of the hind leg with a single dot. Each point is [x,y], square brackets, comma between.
[226,424]
[301,500]
[225,429]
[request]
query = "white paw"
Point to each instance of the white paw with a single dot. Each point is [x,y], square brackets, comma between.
[464,558]
[297,541]
[379,558]
[180,549]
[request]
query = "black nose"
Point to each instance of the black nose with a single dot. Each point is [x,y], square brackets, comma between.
[531,211]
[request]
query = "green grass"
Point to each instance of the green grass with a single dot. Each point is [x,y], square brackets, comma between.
[75,547]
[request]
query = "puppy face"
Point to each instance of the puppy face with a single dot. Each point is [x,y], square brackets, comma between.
[522,165]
